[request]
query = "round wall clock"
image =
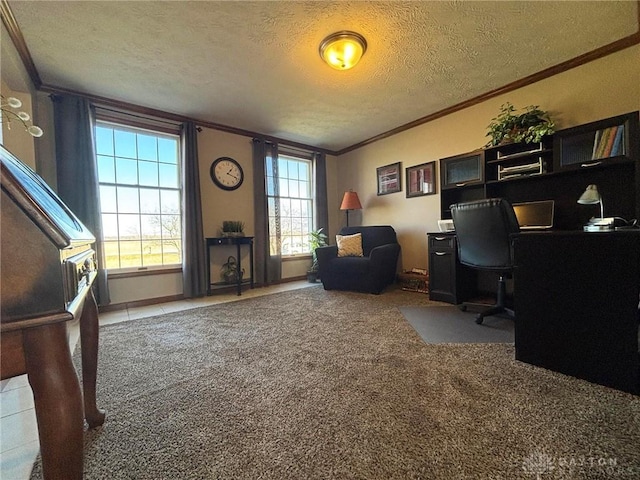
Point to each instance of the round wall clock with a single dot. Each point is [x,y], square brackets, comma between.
[226,173]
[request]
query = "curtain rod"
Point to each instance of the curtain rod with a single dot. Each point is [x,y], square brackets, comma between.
[284,146]
[174,123]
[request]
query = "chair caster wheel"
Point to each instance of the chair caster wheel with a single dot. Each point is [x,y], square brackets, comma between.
[463,308]
[479,320]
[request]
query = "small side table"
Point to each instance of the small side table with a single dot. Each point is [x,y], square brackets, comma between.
[238,242]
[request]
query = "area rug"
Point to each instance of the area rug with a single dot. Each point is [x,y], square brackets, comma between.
[310,384]
[447,324]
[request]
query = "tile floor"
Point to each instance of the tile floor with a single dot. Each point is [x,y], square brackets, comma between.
[18,429]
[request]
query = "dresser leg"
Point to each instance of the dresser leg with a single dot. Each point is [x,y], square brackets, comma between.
[89,342]
[57,398]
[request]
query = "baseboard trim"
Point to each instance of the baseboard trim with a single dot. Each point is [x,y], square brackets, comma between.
[292,279]
[140,303]
[172,298]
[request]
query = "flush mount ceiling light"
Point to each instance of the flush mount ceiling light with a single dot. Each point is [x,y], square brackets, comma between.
[343,50]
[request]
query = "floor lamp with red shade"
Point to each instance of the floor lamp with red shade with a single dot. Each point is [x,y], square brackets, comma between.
[350,201]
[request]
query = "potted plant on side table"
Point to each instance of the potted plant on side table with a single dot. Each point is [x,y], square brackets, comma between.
[316,239]
[232,228]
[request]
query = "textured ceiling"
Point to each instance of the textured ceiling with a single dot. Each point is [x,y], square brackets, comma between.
[255,65]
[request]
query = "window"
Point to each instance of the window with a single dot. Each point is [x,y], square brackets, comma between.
[290,193]
[140,192]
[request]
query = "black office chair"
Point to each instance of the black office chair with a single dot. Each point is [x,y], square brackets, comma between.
[483,230]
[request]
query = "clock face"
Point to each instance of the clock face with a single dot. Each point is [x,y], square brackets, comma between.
[226,173]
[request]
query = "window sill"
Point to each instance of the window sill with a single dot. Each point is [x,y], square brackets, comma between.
[299,256]
[143,272]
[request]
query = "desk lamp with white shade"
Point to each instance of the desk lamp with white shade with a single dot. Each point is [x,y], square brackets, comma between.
[591,196]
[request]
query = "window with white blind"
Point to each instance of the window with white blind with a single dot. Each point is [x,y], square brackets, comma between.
[140,195]
[290,195]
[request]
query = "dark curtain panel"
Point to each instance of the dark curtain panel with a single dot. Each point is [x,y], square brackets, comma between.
[321,204]
[77,174]
[267,266]
[274,260]
[194,277]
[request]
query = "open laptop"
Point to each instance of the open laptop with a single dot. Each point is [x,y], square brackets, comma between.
[535,215]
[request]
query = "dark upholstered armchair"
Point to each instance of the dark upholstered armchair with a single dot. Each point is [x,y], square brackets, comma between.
[369,273]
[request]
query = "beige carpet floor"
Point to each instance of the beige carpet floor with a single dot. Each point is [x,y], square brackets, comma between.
[310,384]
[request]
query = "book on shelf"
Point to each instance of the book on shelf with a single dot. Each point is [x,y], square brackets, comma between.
[604,138]
[596,142]
[618,143]
[610,139]
[608,142]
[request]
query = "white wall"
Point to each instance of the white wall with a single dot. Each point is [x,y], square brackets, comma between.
[15,138]
[131,289]
[603,88]
[600,89]
[16,83]
[219,205]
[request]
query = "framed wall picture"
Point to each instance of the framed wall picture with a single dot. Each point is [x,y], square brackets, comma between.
[389,179]
[421,180]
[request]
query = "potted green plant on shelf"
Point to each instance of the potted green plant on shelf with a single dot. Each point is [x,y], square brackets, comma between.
[525,127]
[316,239]
[232,228]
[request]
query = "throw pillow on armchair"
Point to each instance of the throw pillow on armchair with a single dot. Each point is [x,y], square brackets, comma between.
[349,245]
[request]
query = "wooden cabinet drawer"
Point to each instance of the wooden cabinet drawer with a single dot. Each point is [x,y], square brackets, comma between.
[442,243]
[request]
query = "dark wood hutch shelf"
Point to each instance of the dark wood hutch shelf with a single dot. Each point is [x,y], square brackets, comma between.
[559,167]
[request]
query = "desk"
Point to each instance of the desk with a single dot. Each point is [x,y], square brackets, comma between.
[238,242]
[576,303]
